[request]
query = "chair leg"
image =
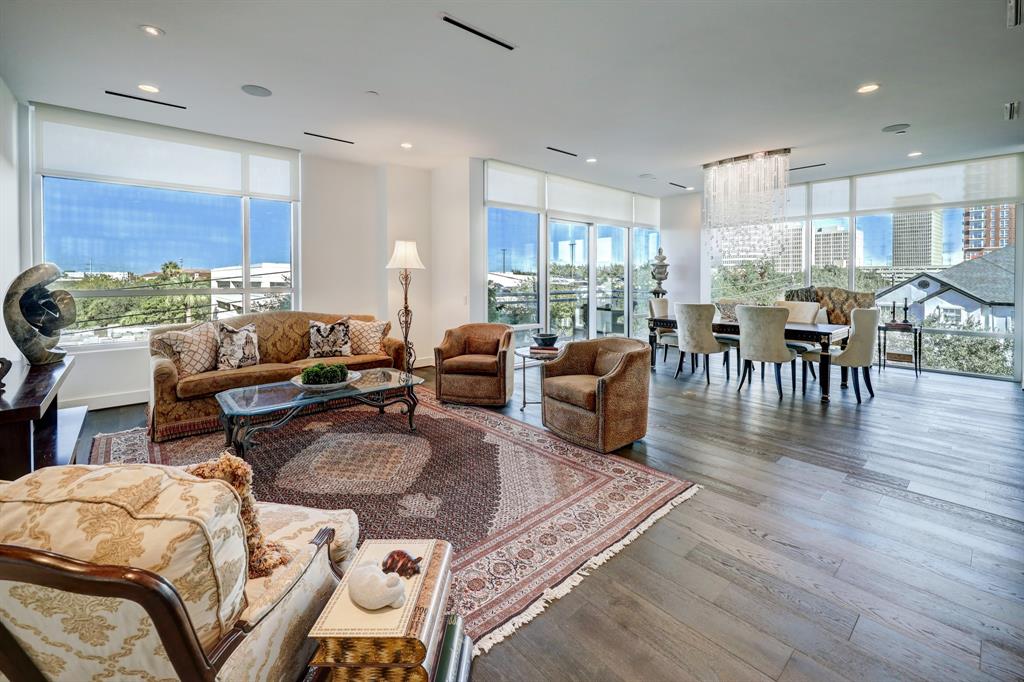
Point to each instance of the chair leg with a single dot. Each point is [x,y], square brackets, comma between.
[726,356]
[739,360]
[679,365]
[844,377]
[707,367]
[778,378]
[856,383]
[803,385]
[814,374]
[744,372]
[792,373]
[867,380]
[693,362]
[762,371]
[664,358]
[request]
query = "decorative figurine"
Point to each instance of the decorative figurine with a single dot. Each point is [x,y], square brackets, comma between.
[5,367]
[893,317]
[659,272]
[35,315]
[905,307]
[402,563]
[373,589]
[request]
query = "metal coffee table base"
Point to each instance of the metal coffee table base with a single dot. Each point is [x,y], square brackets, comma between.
[240,432]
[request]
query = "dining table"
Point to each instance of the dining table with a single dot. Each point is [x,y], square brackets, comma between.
[824,335]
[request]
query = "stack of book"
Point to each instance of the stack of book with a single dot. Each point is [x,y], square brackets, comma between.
[540,350]
[413,643]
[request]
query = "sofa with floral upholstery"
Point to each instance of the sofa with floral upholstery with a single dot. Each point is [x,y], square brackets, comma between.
[140,572]
[836,303]
[182,406]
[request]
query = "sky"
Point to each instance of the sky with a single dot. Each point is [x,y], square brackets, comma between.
[105,227]
[877,231]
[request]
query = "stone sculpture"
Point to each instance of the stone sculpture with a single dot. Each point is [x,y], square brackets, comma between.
[34,315]
[659,273]
[373,589]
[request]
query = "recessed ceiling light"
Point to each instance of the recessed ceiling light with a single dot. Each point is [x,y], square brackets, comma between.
[372,93]
[591,160]
[915,154]
[151,89]
[406,145]
[867,88]
[152,31]
[256,90]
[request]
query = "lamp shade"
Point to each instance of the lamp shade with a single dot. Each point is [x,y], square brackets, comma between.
[405,257]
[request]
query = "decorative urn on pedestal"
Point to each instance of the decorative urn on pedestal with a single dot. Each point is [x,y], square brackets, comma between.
[659,272]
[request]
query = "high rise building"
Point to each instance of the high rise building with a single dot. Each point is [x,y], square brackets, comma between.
[917,239]
[987,228]
[832,246]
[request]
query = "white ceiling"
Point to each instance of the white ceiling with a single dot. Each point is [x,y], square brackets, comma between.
[646,87]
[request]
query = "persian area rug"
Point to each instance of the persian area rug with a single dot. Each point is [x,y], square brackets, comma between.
[528,514]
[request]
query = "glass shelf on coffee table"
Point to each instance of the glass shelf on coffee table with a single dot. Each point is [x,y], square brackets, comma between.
[241,407]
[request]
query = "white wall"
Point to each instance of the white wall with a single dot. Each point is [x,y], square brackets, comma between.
[341,253]
[681,240]
[406,198]
[10,242]
[450,237]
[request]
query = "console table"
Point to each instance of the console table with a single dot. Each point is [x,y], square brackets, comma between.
[34,433]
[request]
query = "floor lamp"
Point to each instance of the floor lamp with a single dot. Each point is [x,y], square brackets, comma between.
[405,258]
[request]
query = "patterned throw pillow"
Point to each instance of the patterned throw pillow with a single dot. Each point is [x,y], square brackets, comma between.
[807,294]
[264,556]
[195,349]
[727,311]
[368,337]
[329,340]
[238,347]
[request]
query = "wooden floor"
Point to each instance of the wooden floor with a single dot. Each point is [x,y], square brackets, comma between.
[881,541]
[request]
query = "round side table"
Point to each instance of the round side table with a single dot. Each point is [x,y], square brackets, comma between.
[540,356]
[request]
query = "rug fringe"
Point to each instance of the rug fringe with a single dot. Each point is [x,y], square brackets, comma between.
[563,588]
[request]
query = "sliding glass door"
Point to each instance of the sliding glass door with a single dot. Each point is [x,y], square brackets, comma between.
[610,292]
[569,279]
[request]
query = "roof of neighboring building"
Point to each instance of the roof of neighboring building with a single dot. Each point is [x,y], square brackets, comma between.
[987,279]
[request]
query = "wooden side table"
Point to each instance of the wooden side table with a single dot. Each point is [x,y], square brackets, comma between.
[34,433]
[917,351]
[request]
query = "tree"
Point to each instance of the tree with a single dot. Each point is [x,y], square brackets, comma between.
[962,353]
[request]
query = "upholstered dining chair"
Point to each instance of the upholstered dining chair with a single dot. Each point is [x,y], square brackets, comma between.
[474,365]
[763,339]
[804,312]
[595,392]
[859,352]
[693,322]
[659,307]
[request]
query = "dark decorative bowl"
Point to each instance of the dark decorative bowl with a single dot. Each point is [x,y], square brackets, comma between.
[545,340]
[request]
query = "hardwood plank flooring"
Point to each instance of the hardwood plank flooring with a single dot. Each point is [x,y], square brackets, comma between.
[880,541]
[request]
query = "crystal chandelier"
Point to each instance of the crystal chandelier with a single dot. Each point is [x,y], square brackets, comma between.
[746,190]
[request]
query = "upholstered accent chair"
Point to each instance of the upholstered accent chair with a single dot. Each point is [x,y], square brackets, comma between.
[763,339]
[859,352]
[595,392]
[659,307]
[139,571]
[474,365]
[693,321]
[185,405]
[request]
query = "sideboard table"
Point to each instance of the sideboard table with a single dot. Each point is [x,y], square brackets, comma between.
[917,336]
[33,432]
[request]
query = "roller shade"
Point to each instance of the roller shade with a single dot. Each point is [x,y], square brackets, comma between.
[586,199]
[508,184]
[78,144]
[978,181]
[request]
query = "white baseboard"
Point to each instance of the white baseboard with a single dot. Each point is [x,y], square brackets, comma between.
[101,402]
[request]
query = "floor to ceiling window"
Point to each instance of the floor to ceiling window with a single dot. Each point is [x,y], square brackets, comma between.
[566,256]
[939,239]
[167,226]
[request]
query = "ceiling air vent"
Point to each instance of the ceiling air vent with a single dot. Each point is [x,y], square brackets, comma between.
[562,151]
[676,184]
[448,19]
[813,165]
[144,99]
[1011,110]
[328,137]
[1014,13]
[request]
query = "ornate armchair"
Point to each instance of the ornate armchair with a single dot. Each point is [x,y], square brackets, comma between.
[140,572]
[595,393]
[474,365]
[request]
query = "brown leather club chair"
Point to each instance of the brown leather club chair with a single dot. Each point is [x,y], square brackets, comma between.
[474,365]
[596,392]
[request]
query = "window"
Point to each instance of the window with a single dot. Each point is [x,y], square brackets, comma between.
[645,247]
[757,263]
[568,279]
[153,230]
[512,265]
[611,280]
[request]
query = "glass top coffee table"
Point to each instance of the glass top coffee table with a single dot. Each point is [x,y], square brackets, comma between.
[241,407]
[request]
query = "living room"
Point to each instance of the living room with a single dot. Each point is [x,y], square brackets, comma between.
[524,315]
